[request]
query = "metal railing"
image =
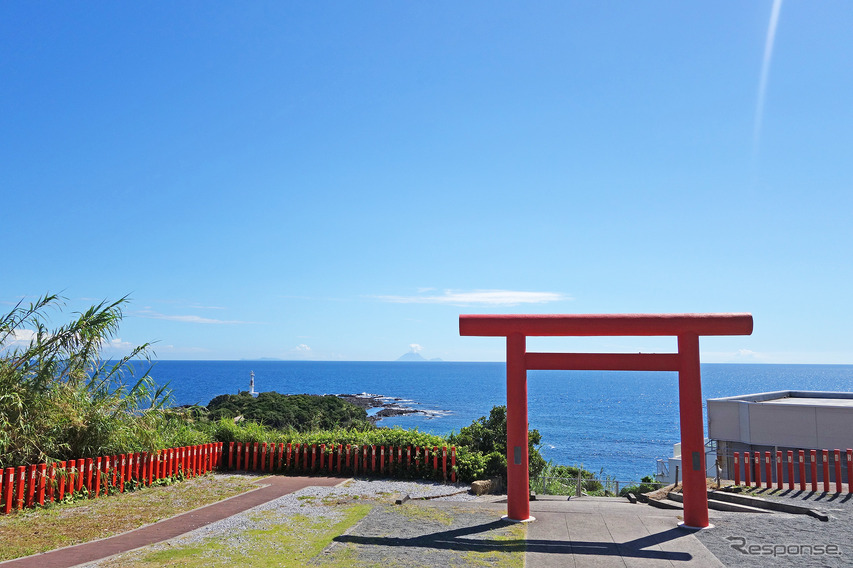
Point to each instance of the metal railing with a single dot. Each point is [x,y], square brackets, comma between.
[577,486]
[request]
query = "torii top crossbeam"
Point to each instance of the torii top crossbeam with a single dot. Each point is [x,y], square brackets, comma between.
[592,325]
[686,327]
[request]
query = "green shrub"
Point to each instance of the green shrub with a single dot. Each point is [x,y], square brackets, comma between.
[470,465]
[556,470]
[555,479]
[647,485]
[487,436]
[226,430]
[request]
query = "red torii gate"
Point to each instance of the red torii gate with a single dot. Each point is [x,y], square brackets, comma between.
[687,327]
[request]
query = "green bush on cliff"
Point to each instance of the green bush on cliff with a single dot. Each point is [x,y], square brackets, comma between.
[301,412]
[480,447]
[226,430]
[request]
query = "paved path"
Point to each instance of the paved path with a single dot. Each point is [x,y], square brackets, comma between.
[272,488]
[608,532]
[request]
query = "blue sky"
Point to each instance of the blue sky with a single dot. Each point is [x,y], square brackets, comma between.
[341,180]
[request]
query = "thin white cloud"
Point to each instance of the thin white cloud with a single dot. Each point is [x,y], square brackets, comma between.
[479,297]
[23,337]
[20,300]
[302,351]
[186,318]
[186,304]
[117,343]
[173,349]
[739,356]
[314,298]
[116,347]
[415,348]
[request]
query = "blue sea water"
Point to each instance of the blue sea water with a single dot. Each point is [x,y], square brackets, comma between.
[618,422]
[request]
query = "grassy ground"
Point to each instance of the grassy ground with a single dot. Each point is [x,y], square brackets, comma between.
[289,544]
[336,531]
[38,530]
[345,533]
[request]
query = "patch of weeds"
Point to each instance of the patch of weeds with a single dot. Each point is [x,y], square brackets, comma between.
[508,550]
[171,555]
[425,514]
[344,556]
[292,543]
[263,515]
[337,499]
[39,530]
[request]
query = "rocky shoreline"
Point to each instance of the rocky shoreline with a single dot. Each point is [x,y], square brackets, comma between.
[390,406]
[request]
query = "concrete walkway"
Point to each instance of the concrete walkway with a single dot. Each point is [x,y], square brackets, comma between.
[271,488]
[608,532]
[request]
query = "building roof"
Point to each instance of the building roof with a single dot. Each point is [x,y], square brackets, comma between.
[810,401]
[797,419]
[815,398]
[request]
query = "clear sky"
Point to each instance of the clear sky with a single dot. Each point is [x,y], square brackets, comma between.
[341,180]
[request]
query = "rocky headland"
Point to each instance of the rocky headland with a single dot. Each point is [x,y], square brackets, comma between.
[389,406]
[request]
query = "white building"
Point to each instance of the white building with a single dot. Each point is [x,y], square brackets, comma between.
[781,420]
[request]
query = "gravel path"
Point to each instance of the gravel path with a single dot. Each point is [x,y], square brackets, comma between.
[311,502]
[781,539]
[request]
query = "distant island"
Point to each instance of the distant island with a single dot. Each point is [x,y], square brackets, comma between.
[415,356]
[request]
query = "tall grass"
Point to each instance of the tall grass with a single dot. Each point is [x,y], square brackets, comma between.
[59,399]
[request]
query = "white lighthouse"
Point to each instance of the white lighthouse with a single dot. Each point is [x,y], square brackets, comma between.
[252,384]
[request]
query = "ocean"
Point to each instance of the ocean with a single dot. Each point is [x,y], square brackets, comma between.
[617,423]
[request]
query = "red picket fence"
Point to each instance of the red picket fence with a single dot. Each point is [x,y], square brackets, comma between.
[35,485]
[349,459]
[751,463]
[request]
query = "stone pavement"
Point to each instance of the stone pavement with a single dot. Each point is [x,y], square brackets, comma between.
[608,532]
[271,488]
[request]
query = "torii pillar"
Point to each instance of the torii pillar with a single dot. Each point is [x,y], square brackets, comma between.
[686,327]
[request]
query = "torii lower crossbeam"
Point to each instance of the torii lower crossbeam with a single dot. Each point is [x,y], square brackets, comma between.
[686,327]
